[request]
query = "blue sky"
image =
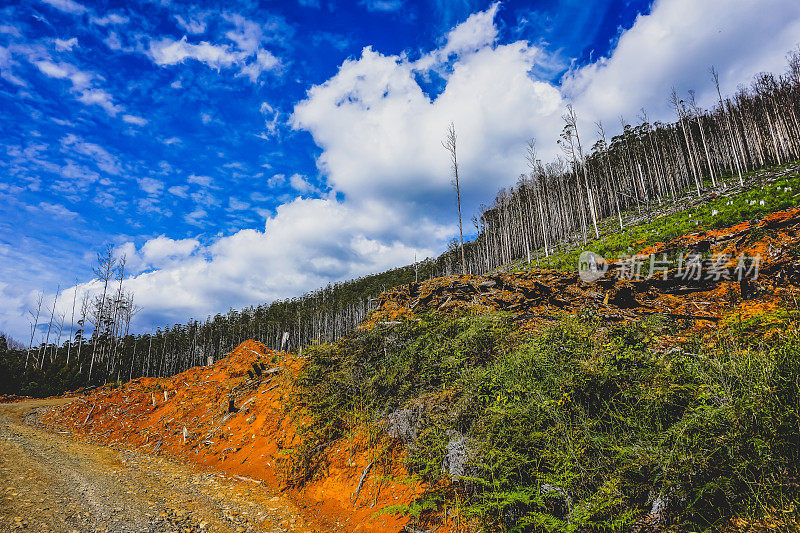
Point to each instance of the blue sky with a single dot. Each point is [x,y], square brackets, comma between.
[246,151]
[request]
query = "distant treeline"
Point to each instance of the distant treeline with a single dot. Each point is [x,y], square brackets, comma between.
[552,204]
[93,359]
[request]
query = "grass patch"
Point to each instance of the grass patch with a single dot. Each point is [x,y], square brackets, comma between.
[759,200]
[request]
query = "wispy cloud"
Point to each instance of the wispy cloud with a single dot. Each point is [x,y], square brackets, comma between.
[382,5]
[67,6]
[66,45]
[132,119]
[99,155]
[81,85]
[203,181]
[110,19]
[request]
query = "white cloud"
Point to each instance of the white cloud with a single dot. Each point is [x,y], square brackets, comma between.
[477,32]
[10,30]
[382,5]
[67,6]
[104,160]
[65,45]
[57,210]
[181,191]
[276,180]
[191,25]
[81,85]
[301,184]
[305,245]
[101,98]
[245,53]
[381,133]
[132,119]
[676,44]
[195,217]
[168,51]
[151,186]
[110,19]
[6,62]
[264,62]
[237,205]
[155,251]
[203,181]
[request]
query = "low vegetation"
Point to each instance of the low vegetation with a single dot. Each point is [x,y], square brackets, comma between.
[767,196]
[581,426]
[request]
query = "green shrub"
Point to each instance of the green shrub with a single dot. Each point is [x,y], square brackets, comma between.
[581,426]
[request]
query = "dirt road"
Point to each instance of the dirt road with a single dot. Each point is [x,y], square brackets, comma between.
[51,482]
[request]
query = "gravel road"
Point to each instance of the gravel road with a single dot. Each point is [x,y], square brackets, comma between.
[53,483]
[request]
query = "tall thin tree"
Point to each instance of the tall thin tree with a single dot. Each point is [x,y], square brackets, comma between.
[449,144]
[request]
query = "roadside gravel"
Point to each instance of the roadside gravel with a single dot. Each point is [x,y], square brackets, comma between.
[52,483]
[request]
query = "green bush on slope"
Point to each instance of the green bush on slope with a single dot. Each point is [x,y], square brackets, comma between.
[580,427]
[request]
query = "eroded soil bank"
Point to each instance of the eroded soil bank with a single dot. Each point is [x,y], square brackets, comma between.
[52,482]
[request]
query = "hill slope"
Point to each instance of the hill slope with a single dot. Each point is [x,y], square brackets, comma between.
[530,401]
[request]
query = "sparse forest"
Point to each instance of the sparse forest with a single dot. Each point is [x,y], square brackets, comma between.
[553,205]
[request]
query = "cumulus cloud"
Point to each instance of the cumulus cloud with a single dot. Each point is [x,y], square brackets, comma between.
[676,44]
[155,251]
[305,245]
[381,133]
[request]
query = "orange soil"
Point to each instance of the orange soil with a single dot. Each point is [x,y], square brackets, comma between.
[540,297]
[251,443]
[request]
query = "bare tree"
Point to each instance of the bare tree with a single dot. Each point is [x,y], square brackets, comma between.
[49,326]
[728,127]
[449,144]
[82,328]
[35,324]
[72,319]
[103,272]
[572,123]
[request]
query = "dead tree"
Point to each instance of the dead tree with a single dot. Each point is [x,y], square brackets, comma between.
[449,144]
[35,324]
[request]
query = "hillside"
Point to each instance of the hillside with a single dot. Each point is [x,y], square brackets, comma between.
[528,401]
